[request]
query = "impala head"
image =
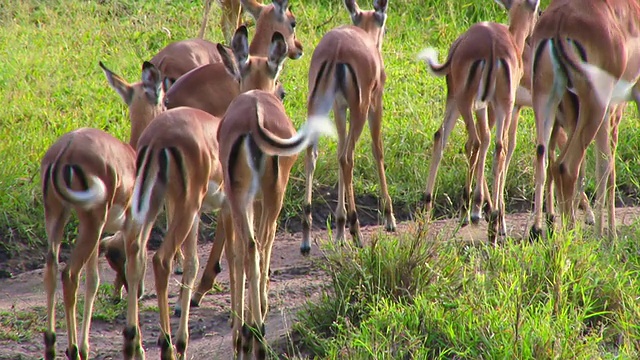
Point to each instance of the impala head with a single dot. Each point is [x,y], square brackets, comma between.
[276,17]
[522,12]
[144,98]
[371,21]
[256,72]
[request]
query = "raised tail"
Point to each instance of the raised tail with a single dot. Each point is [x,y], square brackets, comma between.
[430,56]
[608,88]
[63,175]
[308,134]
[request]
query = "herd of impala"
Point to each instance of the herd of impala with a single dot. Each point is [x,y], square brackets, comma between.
[209,132]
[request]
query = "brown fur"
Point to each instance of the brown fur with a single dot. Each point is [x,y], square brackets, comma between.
[112,163]
[610,42]
[347,72]
[186,139]
[180,57]
[483,70]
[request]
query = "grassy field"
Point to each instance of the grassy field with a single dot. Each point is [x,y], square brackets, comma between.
[418,297]
[51,84]
[411,297]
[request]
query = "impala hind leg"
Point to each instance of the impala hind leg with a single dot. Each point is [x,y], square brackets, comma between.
[375,126]
[440,138]
[340,115]
[611,189]
[136,241]
[179,230]
[590,122]
[497,226]
[230,18]
[178,259]
[191,263]
[213,268]
[92,282]
[307,221]
[272,199]
[472,147]
[484,136]
[545,104]
[347,161]
[247,256]
[90,227]
[55,220]
[603,167]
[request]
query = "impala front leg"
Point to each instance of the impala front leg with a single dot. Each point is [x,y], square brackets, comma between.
[307,221]
[484,135]
[135,269]
[375,126]
[55,220]
[340,111]
[440,138]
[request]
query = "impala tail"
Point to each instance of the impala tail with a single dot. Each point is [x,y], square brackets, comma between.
[332,79]
[308,134]
[63,175]
[608,88]
[152,167]
[430,56]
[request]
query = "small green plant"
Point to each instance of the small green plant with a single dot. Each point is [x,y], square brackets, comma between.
[21,325]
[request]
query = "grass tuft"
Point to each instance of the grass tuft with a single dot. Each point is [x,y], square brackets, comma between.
[424,297]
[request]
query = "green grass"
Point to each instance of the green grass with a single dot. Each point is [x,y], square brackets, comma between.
[28,324]
[406,297]
[22,325]
[51,84]
[418,297]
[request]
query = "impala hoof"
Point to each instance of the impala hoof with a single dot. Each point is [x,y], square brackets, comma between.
[535,234]
[194,303]
[475,219]
[464,221]
[305,250]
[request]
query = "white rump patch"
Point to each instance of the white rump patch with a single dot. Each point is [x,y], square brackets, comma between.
[215,197]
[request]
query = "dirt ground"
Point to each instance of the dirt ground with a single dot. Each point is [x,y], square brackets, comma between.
[295,280]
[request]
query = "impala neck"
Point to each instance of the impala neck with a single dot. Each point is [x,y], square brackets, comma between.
[520,32]
[262,39]
[140,117]
[521,23]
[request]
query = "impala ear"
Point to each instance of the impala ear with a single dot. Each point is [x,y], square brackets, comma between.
[354,10]
[280,7]
[277,52]
[240,45]
[380,6]
[381,11]
[252,7]
[151,82]
[228,62]
[280,92]
[167,82]
[505,3]
[120,85]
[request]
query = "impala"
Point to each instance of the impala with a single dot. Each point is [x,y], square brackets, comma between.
[93,173]
[230,18]
[565,119]
[347,72]
[582,47]
[258,146]
[180,57]
[483,70]
[201,85]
